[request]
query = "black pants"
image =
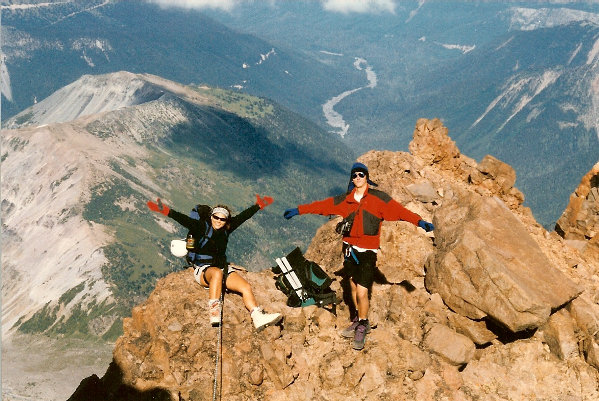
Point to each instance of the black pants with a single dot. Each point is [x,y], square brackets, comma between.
[359,266]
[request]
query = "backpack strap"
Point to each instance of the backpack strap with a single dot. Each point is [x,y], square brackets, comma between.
[207,235]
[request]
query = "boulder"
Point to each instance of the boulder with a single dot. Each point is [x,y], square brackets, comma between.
[487,265]
[502,173]
[477,331]
[423,191]
[526,370]
[456,348]
[586,317]
[559,334]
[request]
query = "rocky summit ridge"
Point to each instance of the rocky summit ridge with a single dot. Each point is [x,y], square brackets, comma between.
[490,306]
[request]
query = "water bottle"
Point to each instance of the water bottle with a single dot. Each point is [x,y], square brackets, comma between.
[190,242]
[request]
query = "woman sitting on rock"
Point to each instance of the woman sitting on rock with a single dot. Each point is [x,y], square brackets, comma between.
[210,235]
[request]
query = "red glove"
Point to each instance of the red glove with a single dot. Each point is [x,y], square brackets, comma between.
[263,202]
[158,207]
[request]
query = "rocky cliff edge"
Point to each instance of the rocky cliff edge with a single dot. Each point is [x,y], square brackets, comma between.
[489,307]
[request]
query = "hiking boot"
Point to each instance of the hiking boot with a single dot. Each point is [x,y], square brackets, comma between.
[214,312]
[360,336]
[350,330]
[262,319]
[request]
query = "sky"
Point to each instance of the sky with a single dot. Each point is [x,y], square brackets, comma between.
[340,6]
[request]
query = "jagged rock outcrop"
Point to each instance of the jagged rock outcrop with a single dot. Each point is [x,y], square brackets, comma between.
[489,306]
[579,224]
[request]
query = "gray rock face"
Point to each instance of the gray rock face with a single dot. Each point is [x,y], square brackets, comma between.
[487,265]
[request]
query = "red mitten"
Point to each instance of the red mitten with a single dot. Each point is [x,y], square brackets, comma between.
[264,201]
[158,207]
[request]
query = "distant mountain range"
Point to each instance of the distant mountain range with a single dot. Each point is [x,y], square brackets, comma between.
[514,79]
[51,44]
[95,151]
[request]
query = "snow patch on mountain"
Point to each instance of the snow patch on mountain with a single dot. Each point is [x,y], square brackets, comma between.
[574,53]
[592,56]
[88,45]
[414,12]
[504,44]
[85,10]
[5,76]
[262,59]
[518,93]
[537,86]
[30,6]
[528,19]
[463,48]
[331,53]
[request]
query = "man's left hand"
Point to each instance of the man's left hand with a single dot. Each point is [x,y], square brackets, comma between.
[426,226]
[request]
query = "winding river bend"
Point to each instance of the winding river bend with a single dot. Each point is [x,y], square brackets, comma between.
[334,119]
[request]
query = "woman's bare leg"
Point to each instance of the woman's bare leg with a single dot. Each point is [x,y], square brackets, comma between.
[235,282]
[238,284]
[213,279]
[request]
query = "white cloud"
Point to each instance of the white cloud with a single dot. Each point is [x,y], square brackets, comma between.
[359,6]
[226,5]
[339,6]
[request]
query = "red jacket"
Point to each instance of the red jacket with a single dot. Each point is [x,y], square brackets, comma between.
[374,207]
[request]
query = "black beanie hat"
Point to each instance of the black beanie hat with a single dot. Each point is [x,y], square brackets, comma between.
[357,166]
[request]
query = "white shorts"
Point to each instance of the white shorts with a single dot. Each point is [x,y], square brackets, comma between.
[198,270]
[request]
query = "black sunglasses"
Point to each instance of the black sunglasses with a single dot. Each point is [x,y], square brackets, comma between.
[358,174]
[215,217]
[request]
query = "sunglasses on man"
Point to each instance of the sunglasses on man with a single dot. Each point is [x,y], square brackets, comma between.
[358,174]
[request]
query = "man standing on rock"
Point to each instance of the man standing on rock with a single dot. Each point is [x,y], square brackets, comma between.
[364,209]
